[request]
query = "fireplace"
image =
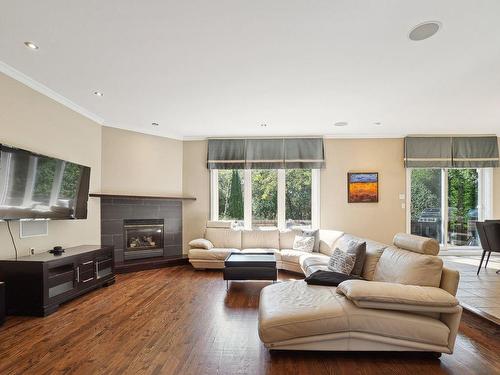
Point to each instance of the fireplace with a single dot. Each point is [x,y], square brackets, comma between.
[143,238]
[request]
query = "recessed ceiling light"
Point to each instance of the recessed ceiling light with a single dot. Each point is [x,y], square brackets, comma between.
[341,123]
[377,123]
[424,30]
[31,45]
[98,93]
[263,125]
[155,124]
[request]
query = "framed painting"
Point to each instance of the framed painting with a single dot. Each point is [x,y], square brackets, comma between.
[362,187]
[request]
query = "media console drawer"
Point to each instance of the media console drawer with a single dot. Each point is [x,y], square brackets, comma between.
[37,285]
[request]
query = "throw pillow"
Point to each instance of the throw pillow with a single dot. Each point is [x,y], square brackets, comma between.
[201,243]
[309,233]
[358,249]
[341,262]
[303,243]
[329,278]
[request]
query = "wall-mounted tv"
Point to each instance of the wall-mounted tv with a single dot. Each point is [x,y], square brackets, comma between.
[34,186]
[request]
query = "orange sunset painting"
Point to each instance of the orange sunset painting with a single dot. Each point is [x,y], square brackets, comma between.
[362,187]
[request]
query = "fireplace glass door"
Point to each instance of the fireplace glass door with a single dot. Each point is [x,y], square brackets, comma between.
[143,238]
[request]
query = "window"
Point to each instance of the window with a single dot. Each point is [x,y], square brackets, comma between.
[298,197]
[445,204]
[230,188]
[266,198]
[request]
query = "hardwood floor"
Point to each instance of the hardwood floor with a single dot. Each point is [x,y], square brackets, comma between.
[181,321]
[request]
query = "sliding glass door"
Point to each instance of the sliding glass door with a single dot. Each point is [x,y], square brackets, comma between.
[445,204]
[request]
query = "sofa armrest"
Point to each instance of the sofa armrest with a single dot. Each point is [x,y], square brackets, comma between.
[201,243]
[391,296]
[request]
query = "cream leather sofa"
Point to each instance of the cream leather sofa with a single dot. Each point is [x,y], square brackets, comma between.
[407,302]
[226,240]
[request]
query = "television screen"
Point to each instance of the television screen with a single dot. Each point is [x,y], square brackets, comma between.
[35,186]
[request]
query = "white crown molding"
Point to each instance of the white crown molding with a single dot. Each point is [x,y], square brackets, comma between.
[155,133]
[42,89]
[328,136]
[363,136]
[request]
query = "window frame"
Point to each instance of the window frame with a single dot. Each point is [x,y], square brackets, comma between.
[247,197]
[485,203]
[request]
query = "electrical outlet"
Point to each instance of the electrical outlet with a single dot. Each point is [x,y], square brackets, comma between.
[402,197]
[32,251]
[403,205]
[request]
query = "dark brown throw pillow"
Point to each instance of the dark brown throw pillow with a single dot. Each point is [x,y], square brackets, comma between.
[357,249]
[329,278]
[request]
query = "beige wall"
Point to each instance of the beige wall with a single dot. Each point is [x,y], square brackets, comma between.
[195,184]
[378,221]
[33,121]
[135,163]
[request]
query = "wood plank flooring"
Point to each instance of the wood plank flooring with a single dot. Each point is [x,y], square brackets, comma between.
[181,321]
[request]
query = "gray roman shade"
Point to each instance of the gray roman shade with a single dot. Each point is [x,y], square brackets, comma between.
[304,153]
[451,152]
[226,154]
[475,152]
[265,153]
[428,152]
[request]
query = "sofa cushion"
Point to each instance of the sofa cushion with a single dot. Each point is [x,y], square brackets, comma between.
[287,237]
[373,252]
[327,240]
[260,239]
[212,254]
[294,309]
[404,267]
[224,238]
[293,256]
[276,252]
[390,294]
[314,262]
[201,243]
[416,244]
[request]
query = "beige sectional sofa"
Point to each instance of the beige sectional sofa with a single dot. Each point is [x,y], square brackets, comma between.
[407,302]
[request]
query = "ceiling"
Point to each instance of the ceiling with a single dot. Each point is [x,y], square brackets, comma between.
[223,67]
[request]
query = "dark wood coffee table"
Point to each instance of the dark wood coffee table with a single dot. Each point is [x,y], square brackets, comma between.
[250,266]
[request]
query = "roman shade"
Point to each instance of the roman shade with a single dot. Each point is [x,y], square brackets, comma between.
[265,153]
[226,154]
[428,152]
[451,152]
[304,153]
[475,152]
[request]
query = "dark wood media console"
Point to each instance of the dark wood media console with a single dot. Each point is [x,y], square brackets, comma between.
[38,284]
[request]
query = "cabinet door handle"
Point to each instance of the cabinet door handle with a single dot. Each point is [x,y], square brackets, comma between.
[86,281]
[78,274]
[89,262]
[97,270]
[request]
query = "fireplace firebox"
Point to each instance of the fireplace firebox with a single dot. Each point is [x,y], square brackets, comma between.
[143,238]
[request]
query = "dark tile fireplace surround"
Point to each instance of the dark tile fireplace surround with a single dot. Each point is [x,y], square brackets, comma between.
[142,230]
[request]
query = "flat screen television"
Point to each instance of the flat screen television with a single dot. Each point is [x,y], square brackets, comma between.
[34,186]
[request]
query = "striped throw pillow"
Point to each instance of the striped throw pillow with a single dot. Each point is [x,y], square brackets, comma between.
[341,262]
